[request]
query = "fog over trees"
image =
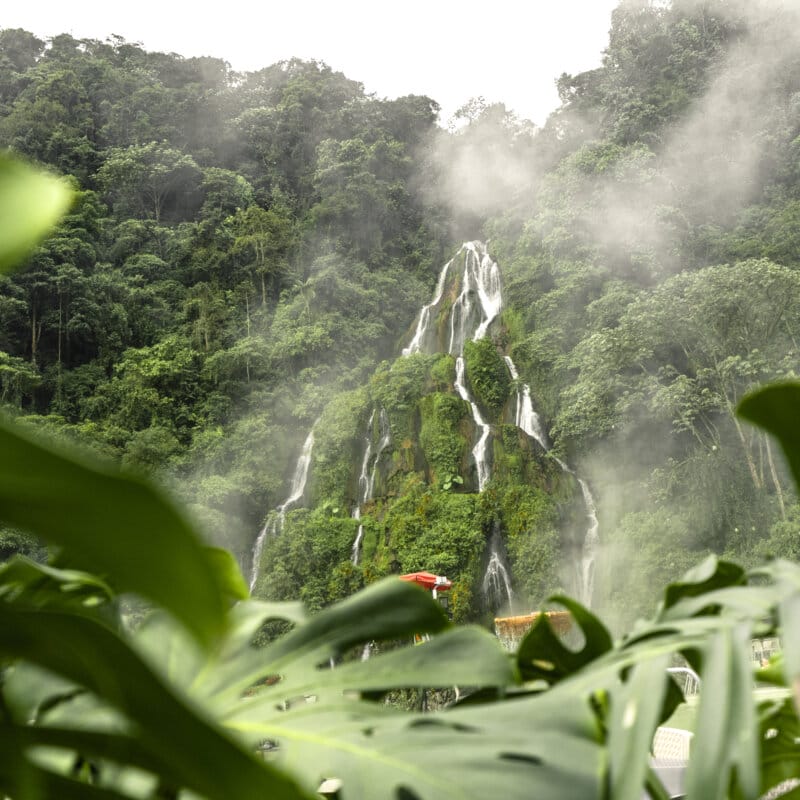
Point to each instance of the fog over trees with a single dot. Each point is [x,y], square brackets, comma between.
[248,254]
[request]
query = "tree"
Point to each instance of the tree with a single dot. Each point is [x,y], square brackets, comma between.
[690,349]
[150,180]
[263,240]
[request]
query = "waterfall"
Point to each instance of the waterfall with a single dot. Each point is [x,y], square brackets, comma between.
[590,543]
[480,280]
[497,590]
[277,518]
[478,304]
[425,317]
[528,420]
[369,468]
[480,451]
[363,483]
[480,277]
[487,284]
[385,432]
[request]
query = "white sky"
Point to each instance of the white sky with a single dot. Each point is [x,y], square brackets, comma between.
[508,51]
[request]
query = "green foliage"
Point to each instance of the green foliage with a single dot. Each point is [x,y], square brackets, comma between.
[310,559]
[784,539]
[399,387]
[487,374]
[13,541]
[336,438]
[149,180]
[18,379]
[441,439]
[533,542]
[39,485]
[433,530]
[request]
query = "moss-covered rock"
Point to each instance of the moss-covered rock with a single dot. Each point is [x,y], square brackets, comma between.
[441,437]
[337,437]
[488,375]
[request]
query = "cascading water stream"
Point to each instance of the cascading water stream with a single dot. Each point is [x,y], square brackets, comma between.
[385,431]
[590,543]
[528,420]
[480,278]
[425,316]
[278,517]
[479,452]
[496,581]
[369,467]
[487,284]
[363,481]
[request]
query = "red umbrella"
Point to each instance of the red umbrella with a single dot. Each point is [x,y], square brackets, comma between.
[428,580]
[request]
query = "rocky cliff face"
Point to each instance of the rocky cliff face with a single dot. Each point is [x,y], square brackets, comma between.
[434,465]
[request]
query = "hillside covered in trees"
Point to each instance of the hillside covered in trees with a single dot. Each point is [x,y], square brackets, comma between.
[249,255]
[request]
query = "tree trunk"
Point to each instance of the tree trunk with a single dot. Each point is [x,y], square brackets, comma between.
[751,465]
[247,311]
[774,473]
[36,333]
[59,387]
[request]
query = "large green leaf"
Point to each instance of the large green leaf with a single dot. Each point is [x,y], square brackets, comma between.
[590,731]
[779,734]
[775,408]
[712,573]
[532,747]
[169,729]
[635,710]
[229,575]
[41,584]
[542,654]
[301,660]
[726,732]
[22,778]
[457,753]
[31,202]
[389,609]
[121,528]
[787,585]
[288,693]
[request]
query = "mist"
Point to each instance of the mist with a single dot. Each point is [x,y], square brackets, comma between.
[299,224]
[635,208]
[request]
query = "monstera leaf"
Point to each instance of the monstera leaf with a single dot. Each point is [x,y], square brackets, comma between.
[114,525]
[299,694]
[159,708]
[186,705]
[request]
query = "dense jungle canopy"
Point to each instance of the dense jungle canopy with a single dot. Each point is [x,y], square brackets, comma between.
[248,254]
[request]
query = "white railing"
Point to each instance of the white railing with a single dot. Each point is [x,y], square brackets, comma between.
[687,679]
